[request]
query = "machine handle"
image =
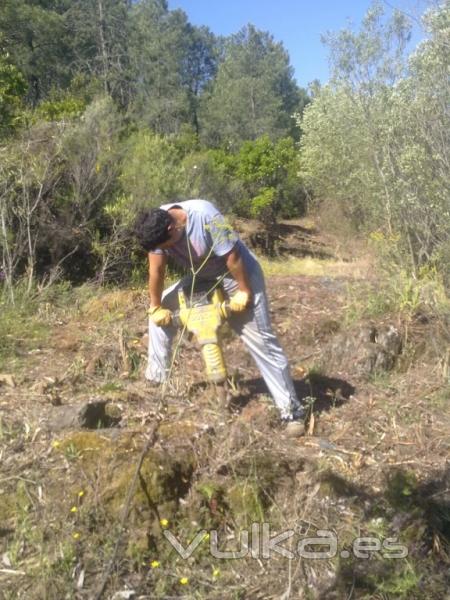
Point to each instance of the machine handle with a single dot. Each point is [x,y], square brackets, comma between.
[225,307]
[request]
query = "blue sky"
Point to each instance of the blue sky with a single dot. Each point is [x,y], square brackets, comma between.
[297,23]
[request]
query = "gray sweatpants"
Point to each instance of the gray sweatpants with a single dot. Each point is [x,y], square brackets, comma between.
[254,328]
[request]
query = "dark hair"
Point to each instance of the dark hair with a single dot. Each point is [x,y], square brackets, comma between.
[151,228]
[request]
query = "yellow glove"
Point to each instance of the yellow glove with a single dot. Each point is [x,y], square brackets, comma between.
[239,301]
[160,316]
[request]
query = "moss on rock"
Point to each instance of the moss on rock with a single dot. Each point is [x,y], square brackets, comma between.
[163,478]
[245,504]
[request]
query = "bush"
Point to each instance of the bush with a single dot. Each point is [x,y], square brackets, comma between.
[373,139]
[151,171]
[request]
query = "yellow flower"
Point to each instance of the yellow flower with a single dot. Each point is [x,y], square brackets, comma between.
[216,573]
[73,509]
[206,537]
[80,494]
[155,564]
[164,522]
[76,536]
[184,580]
[56,444]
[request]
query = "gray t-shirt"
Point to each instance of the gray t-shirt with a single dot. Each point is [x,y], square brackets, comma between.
[206,241]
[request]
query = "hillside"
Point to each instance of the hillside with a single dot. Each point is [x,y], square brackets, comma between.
[76,415]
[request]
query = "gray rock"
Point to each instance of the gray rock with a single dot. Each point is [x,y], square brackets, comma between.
[366,350]
[95,414]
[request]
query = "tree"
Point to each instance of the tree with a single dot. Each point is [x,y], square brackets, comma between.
[272,187]
[158,48]
[151,170]
[56,178]
[253,94]
[199,67]
[100,31]
[35,38]
[30,170]
[12,90]
[377,140]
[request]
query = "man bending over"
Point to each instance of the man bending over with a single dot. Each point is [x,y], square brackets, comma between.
[195,235]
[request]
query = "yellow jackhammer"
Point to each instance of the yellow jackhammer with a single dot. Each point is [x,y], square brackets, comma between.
[202,312]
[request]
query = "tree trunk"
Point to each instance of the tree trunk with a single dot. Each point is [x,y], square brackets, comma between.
[102,43]
[7,266]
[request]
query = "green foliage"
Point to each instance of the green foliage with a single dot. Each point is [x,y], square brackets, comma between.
[24,326]
[263,205]
[38,43]
[56,110]
[12,91]
[372,138]
[210,174]
[265,162]
[258,180]
[170,61]
[403,583]
[151,61]
[54,182]
[261,161]
[399,293]
[99,33]
[253,93]
[31,166]
[151,171]
[199,67]
[268,171]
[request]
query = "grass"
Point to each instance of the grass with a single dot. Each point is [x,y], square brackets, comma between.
[441,398]
[401,584]
[26,326]
[309,267]
[380,379]
[111,386]
[20,331]
[397,293]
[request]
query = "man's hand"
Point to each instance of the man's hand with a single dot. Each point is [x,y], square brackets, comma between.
[160,316]
[239,301]
[242,298]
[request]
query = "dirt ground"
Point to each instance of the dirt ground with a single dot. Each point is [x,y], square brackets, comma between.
[375,460]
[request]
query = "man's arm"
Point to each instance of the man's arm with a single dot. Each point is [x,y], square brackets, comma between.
[156,271]
[237,269]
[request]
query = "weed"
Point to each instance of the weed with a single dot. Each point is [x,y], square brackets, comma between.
[134,359]
[380,379]
[401,584]
[315,372]
[24,325]
[309,267]
[111,386]
[77,369]
[65,559]
[362,303]
[71,452]
[441,398]
[20,330]
[378,527]
[401,488]
[309,402]
[399,293]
